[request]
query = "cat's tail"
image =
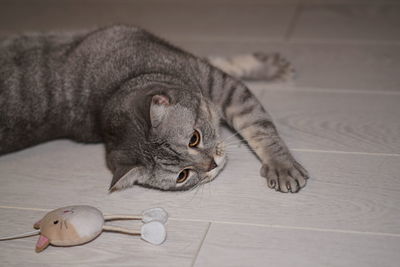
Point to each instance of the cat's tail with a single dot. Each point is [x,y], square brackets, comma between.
[256,66]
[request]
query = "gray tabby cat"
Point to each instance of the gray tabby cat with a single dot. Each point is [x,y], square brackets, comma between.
[156,107]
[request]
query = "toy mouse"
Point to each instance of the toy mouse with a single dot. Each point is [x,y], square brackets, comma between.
[76,225]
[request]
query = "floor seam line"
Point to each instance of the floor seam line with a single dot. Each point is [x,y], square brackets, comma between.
[23,208]
[282,87]
[293,22]
[201,245]
[276,226]
[345,152]
[248,224]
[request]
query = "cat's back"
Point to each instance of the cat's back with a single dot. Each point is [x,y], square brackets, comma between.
[50,83]
[28,61]
[123,38]
[30,86]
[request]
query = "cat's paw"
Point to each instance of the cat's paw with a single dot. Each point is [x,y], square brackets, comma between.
[288,176]
[272,67]
[257,66]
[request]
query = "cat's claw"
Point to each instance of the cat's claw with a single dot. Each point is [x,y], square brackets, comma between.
[284,177]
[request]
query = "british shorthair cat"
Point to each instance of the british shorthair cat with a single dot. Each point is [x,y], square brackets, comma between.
[156,107]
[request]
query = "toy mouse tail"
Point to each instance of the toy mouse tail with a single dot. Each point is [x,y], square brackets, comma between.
[36,232]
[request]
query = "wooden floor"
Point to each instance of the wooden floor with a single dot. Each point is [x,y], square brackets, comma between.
[340,117]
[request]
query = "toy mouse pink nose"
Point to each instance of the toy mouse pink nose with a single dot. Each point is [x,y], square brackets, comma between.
[42,243]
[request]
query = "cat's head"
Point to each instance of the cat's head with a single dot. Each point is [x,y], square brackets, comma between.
[178,148]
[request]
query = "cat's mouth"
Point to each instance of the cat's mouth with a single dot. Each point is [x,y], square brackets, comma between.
[220,161]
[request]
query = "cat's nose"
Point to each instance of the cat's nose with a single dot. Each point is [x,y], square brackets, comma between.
[212,166]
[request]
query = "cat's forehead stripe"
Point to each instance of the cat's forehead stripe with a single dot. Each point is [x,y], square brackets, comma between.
[168,170]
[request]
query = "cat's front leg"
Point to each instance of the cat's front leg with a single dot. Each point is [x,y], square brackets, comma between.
[244,113]
[282,171]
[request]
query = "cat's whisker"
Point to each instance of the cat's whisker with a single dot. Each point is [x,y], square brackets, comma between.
[196,186]
[243,141]
[201,185]
[202,189]
[196,190]
[238,146]
[232,153]
[229,137]
[208,186]
[234,144]
[224,142]
[233,150]
[234,141]
[237,132]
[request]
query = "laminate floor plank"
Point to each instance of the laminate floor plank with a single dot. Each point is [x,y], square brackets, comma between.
[242,245]
[338,66]
[353,122]
[109,249]
[340,116]
[188,21]
[377,23]
[346,191]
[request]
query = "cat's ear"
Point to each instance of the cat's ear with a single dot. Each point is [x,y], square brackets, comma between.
[126,176]
[158,109]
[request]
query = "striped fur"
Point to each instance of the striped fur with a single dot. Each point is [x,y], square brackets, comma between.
[243,112]
[143,98]
[255,66]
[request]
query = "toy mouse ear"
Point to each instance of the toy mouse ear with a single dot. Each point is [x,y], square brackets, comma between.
[155,214]
[42,243]
[153,232]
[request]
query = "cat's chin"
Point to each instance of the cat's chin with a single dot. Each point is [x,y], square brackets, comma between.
[221,162]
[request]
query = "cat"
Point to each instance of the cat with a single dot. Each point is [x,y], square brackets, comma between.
[156,107]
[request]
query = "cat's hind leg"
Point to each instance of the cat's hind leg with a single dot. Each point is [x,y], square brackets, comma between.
[255,66]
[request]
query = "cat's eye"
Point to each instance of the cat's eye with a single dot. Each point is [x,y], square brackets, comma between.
[183,175]
[55,222]
[195,139]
